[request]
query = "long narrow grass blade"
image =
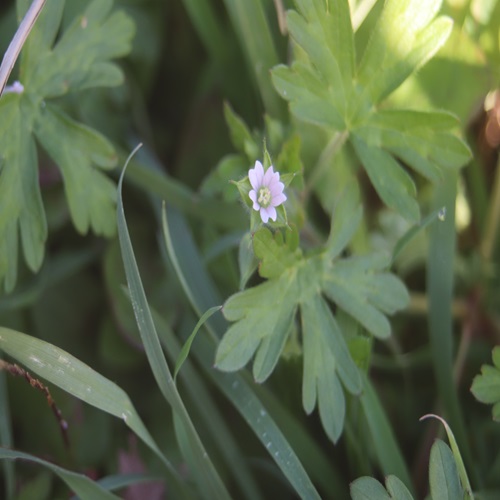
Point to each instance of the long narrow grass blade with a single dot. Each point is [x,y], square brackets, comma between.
[187,346]
[154,181]
[6,437]
[413,231]
[79,483]
[386,448]
[440,292]
[248,18]
[208,410]
[211,485]
[208,26]
[78,379]
[200,291]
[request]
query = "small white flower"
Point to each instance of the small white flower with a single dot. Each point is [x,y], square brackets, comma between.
[267,192]
[15,88]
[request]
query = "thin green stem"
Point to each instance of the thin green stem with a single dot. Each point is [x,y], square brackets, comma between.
[15,46]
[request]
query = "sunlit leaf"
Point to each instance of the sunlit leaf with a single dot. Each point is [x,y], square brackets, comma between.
[324,87]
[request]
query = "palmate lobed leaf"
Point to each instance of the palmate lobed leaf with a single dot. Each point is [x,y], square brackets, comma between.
[324,88]
[486,386]
[79,59]
[263,316]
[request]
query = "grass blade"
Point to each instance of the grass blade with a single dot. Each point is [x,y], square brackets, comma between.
[386,448]
[84,487]
[154,181]
[187,346]
[248,18]
[209,28]
[440,292]
[6,437]
[201,294]
[212,417]
[78,379]
[413,231]
[211,485]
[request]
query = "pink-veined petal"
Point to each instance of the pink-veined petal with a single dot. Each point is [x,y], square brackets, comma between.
[268,176]
[276,189]
[253,196]
[264,215]
[256,175]
[278,200]
[271,212]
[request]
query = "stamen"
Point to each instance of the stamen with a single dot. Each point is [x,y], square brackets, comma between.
[264,198]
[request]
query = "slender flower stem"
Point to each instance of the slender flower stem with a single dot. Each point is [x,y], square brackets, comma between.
[331,149]
[17,42]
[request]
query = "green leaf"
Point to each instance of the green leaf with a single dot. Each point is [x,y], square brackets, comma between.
[345,221]
[486,387]
[368,488]
[330,24]
[76,155]
[246,259]
[276,254]
[392,183]
[402,41]
[422,139]
[310,102]
[397,488]
[241,137]
[366,295]
[443,466]
[325,88]
[263,316]
[326,359]
[443,475]
[80,58]
[53,64]
[20,198]
[80,484]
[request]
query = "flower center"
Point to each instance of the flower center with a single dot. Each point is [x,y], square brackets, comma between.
[264,198]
